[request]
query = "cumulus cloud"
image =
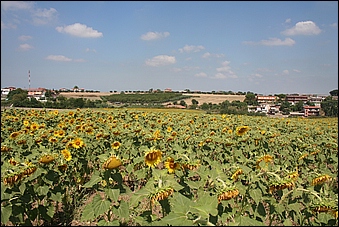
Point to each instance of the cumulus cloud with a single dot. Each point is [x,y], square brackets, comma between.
[334,25]
[225,71]
[303,28]
[39,16]
[208,54]
[288,20]
[25,47]
[273,42]
[58,58]
[79,30]
[90,50]
[296,70]
[7,26]
[191,48]
[154,35]
[160,60]
[285,72]
[16,5]
[24,37]
[202,74]
[44,16]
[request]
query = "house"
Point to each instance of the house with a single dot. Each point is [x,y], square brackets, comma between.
[293,99]
[311,111]
[37,93]
[6,90]
[266,99]
[316,100]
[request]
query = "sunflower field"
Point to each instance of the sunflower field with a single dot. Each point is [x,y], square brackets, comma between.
[141,167]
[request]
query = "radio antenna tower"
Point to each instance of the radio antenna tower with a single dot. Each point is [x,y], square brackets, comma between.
[29,79]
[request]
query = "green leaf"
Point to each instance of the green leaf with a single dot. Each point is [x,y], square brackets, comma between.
[174,219]
[205,205]
[108,223]
[42,190]
[261,210]
[100,206]
[113,194]
[256,195]
[56,197]
[93,181]
[287,222]
[6,212]
[295,207]
[138,196]
[123,210]
[247,221]
[181,204]
[88,213]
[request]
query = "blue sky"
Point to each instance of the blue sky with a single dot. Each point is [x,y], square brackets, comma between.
[262,47]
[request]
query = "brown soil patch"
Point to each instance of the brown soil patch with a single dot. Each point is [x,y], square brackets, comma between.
[201,98]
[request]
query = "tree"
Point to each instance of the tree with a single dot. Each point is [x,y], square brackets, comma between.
[195,102]
[334,92]
[17,91]
[183,103]
[330,107]
[251,99]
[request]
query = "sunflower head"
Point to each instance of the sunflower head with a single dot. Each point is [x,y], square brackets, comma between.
[67,155]
[112,163]
[242,130]
[115,145]
[77,143]
[171,165]
[153,157]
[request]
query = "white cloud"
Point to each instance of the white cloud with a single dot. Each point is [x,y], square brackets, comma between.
[288,20]
[191,48]
[79,30]
[208,54]
[16,5]
[25,47]
[44,16]
[296,70]
[225,71]
[202,74]
[154,35]
[334,25]
[24,37]
[303,28]
[8,25]
[58,58]
[286,72]
[39,16]
[160,60]
[273,42]
[90,50]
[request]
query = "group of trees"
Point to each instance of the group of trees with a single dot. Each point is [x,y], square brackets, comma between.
[19,98]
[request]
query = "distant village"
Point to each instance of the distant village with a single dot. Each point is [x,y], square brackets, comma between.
[267,104]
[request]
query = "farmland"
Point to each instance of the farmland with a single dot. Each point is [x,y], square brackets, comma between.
[201,98]
[166,167]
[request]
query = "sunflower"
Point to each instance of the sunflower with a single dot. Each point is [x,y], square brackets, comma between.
[26,123]
[67,154]
[171,165]
[112,163]
[153,157]
[34,126]
[14,135]
[46,159]
[242,130]
[52,139]
[77,143]
[115,145]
